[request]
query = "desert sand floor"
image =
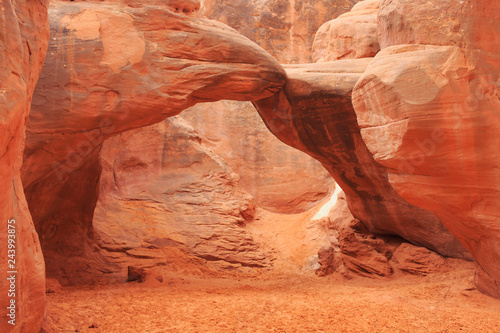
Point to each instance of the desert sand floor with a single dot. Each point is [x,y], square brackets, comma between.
[442,302]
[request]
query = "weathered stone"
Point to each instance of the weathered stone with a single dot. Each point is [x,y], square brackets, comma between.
[280,179]
[350,36]
[160,186]
[432,120]
[437,22]
[417,260]
[284,28]
[314,113]
[23,42]
[113,67]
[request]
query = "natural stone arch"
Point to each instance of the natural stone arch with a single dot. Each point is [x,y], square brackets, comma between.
[113,68]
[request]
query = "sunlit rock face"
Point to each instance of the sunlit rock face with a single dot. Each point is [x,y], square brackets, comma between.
[24,35]
[284,28]
[428,107]
[314,113]
[113,67]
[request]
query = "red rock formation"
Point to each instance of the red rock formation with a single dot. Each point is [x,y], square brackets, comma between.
[161,186]
[114,44]
[417,260]
[354,251]
[364,254]
[112,68]
[23,36]
[437,22]
[280,179]
[284,28]
[314,114]
[433,119]
[352,35]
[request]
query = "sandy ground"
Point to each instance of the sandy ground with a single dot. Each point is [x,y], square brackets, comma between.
[442,302]
[218,297]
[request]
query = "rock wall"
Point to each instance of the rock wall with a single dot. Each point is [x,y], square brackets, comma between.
[67,180]
[417,151]
[352,35]
[279,178]
[23,35]
[284,28]
[432,119]
[162,187]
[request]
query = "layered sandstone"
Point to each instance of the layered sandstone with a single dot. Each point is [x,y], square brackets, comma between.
[284,28]
[279,178]
[432,120]
[314,113]
[162,187]
[112,68]
[354,251]
[23,35]
[350,36]
[438,22]
[418,260]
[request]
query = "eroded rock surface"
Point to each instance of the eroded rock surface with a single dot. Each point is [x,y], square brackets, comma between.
[354,251]
[417,260]
[161,186]
[23,39]
[113,67]
[280,179]
[433,119]
[437,22]
[284,28]
[314,113]
[350,36]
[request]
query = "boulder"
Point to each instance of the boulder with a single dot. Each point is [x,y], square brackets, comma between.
[350,36]
[417,260]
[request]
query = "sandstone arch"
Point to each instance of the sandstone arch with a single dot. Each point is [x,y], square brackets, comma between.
[112,68]
[61,150]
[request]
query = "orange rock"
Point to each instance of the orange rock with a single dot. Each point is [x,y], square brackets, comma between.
[52,286]
[437,22]
[314,114]
[354,250]
[161,187]
[362,258]
[329,260]
[280,179]
[432,120]
[352,35]
[23,36]
[112,67]
[417,260]
[284,28]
